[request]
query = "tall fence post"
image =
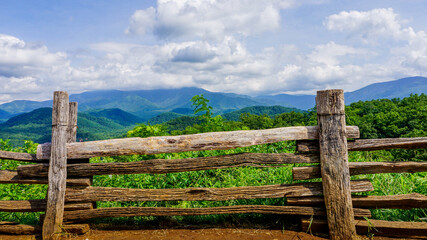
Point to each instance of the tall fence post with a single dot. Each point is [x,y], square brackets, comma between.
[57,166]
[334,164]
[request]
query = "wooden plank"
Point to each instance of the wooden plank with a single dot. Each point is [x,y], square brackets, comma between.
[21,229]
[370,144]
[183,143]
[72,122]
[90,194]
[375,227]
[167,211]
[37,205]
[173,165]
[18,156]
[58,166]
[334,164]
[357,168]
[7,176]
[404,201]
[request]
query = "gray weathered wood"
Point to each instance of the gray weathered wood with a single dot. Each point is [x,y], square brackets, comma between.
[58,166]
[334,164]
[17,156]
[89,194]
[72,123]
[183,143]
[404,201]
[357,168]
[37,205]
[376,227]
[164,211]
[7,176]
[173,165]
[370,144]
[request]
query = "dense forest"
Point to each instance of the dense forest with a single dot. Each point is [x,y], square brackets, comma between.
[383,118]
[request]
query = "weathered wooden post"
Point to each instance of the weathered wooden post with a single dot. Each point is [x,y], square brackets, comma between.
[57,166]
[334,164]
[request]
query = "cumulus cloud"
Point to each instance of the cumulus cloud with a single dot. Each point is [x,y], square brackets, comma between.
[28,68]
[211,19]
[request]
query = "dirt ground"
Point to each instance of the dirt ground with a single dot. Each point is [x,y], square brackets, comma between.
[185,234]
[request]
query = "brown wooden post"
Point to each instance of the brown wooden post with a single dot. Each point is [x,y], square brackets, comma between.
[72,123]
[57,166]
[334,164]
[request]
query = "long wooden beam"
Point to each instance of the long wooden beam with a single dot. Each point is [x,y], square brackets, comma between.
[22,229]
[370,144]
[90,194]
[375,227]
[7,176]
[168,211]
[37,205]
[184,143]
[172,165]
[404,201]
[18,156]
[357,168]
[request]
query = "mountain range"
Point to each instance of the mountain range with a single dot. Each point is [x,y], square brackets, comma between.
[109,113]
[150,103]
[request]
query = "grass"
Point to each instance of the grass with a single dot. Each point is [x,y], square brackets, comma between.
[384,184]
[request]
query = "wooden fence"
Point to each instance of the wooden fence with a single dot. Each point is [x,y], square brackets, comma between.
[64,165]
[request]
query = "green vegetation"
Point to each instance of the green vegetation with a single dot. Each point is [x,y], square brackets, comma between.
[377,119]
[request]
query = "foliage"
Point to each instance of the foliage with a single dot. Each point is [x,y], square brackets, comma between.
[376,119]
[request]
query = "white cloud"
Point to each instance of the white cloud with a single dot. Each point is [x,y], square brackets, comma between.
[367,26]
[211,19]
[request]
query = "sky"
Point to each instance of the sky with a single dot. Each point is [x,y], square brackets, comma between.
[248,47]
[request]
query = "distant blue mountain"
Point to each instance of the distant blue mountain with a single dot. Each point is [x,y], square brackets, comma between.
[146,104]
[393,89]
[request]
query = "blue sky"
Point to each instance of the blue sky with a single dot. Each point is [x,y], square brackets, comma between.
[241,46]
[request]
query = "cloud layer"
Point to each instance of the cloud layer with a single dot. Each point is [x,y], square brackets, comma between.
[203,44]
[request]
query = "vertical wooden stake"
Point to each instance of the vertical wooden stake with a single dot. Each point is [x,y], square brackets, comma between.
[72,123]
[57,166]
[334,164]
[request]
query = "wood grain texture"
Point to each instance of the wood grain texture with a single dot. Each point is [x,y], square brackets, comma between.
[370,144]
[334,164]
[404,201]
[37,205]
[21,229]
[184,143]
[357,168]
[7,176]
[173,165]
[164,211]
[375,227]
[72,122]
[17,156]
[90,194]
[57,167]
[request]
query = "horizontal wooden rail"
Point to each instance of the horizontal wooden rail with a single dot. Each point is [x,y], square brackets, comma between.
[7,176]
[167,211]
[375,227]
[37,205]
[405,201]
[18,156]
[90,194]
[369,144]
[172,165]
[22,229]
[357,168]
[184,143]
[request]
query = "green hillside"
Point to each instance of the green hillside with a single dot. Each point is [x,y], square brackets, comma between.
[270,111]
[36,126]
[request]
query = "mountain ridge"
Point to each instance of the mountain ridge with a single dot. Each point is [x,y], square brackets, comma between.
[147,104]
